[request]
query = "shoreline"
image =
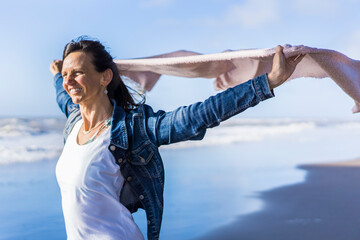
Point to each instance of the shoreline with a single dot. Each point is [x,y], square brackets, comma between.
[347,163]
[324,206]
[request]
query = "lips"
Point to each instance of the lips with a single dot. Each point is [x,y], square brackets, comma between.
[75,90]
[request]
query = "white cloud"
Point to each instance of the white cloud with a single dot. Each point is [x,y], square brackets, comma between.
[317,7]
[156,3]
[254,13]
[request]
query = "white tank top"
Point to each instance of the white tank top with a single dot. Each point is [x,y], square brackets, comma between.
[90,182]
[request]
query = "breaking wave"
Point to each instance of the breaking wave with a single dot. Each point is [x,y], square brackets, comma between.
[35,139]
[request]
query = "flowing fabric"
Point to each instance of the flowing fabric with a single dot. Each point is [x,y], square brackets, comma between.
[230,68]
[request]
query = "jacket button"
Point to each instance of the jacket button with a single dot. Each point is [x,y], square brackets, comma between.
[148,222]
[120,160]
[129,178]
[141,197]
[112,148]
[142,159]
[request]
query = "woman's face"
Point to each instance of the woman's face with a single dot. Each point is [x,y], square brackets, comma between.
[81,80]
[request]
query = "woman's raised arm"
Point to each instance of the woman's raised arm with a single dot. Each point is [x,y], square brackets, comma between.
[62,97]
[191,122]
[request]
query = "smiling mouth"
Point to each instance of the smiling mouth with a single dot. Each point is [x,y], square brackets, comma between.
[75,90]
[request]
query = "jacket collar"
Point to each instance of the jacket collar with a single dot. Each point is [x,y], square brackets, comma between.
[119,136]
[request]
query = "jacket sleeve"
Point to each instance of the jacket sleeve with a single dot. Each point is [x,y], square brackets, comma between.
[62,97]
[191,122]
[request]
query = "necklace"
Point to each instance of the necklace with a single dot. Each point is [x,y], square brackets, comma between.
[106,124]
[97,125]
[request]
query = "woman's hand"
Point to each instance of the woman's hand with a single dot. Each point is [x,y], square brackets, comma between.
[282,68]
[56,67]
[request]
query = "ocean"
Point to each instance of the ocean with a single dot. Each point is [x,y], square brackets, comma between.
[208,183]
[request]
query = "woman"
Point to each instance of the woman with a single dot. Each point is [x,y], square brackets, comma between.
[111,150]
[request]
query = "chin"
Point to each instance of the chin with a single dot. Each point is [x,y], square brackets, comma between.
[76,100]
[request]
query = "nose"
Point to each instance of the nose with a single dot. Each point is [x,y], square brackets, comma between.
[68,79]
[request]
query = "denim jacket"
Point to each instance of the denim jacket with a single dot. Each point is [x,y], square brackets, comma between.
[137,135]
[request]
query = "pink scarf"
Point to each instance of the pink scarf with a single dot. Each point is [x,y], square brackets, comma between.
[233,67]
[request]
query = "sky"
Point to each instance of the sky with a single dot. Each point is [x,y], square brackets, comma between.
[33,33]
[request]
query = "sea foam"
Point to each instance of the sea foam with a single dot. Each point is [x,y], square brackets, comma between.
[30,140]
[256,130]
[35,139]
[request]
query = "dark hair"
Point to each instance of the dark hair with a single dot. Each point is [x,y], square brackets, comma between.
[102,60]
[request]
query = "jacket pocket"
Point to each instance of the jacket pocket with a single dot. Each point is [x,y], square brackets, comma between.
[147,162]
[143,154]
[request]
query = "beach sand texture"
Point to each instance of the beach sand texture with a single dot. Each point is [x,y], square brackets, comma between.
[325,206]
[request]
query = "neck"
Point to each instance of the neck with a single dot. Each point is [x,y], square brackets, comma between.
[95,112]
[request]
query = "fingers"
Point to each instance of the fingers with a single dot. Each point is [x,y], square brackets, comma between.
[56,66]
[279,49]
[296,59]
[279,56]
[292,60]
[279,52]
[56,62]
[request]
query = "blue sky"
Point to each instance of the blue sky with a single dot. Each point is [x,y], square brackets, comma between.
[34,32]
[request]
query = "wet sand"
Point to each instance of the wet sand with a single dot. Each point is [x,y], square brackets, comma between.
[325,206]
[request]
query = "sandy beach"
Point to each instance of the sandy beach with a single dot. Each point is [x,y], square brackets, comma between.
[324,206]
